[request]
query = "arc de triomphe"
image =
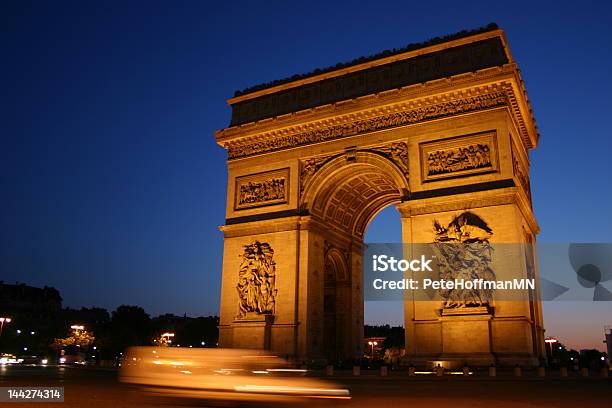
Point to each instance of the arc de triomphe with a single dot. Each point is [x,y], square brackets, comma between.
[440,130]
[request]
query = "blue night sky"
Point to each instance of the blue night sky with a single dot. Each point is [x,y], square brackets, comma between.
[113,188]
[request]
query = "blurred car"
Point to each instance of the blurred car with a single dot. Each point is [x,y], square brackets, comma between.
[221,374]
[69,359]
[6,359]
[34,360]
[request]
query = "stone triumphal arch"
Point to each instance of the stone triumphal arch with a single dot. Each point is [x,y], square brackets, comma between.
[442,131]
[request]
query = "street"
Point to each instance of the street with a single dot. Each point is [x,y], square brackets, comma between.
[91,388]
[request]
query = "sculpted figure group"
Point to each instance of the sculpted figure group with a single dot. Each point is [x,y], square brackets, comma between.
[254,192]
[464,253]
[462,158]
[257,280]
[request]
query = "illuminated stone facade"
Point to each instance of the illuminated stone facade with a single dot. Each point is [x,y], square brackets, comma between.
[437,131]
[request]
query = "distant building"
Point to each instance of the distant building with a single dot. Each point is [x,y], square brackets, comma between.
[23,299]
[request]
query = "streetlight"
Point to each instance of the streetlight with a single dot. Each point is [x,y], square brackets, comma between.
[2,320]
[550,341]
[372,344]
[165,338]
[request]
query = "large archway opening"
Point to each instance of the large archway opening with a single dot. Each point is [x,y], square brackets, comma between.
[343,197]
[384,320]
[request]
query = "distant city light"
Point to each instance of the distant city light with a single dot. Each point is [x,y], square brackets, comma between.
[32,333]
[25,349]
[77,327]
[18,331]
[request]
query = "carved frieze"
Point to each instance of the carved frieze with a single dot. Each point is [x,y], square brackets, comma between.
[433,111]
[459,156]
[257,280]
[261,189]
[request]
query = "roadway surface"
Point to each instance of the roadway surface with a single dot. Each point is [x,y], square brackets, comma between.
[92,388]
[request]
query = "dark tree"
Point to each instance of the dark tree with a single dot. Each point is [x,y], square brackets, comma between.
[129,326]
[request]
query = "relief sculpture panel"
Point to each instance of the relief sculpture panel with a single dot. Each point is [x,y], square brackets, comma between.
[464,253]
[262,189]
[257,280]
[460,156]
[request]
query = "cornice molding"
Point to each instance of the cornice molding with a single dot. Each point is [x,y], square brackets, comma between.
[259,227]
[433,108]
[510,195]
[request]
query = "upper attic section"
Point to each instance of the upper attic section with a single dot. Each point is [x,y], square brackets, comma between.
[445,77]
[456,54]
